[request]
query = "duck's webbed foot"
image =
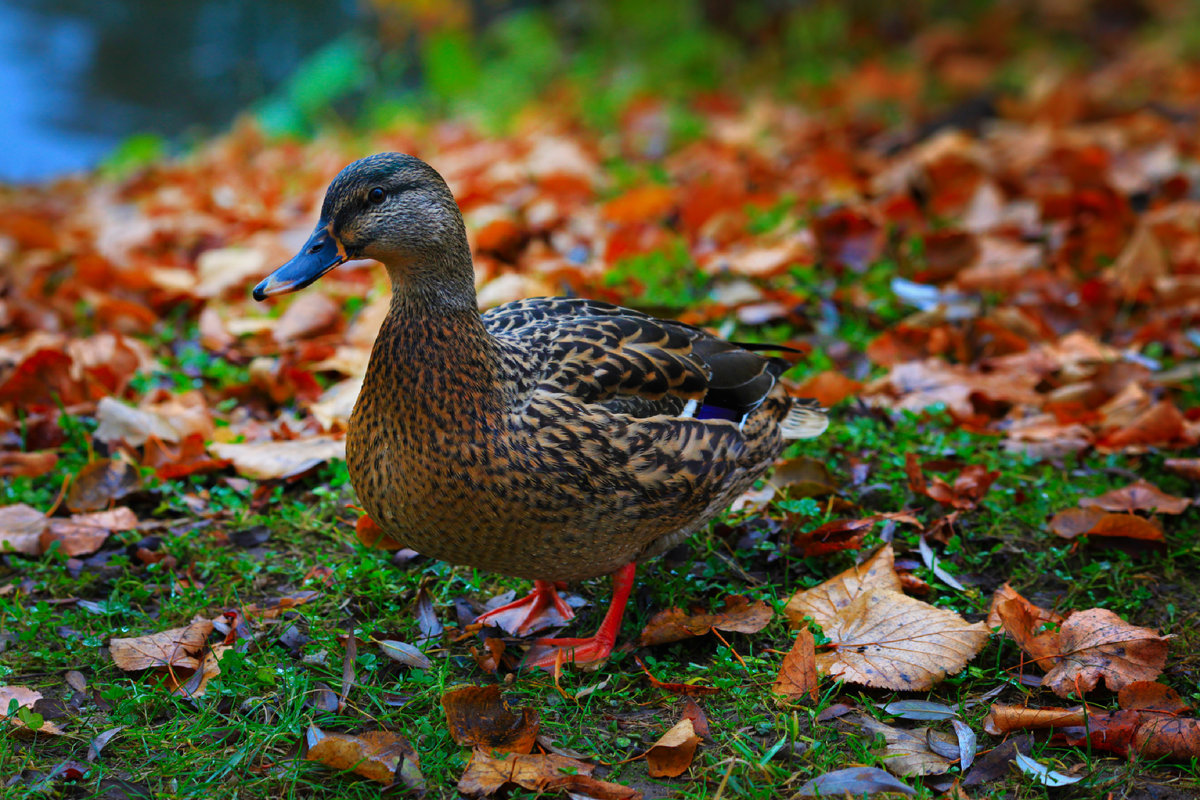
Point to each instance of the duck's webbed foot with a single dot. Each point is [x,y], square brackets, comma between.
[546,653]
[542,608]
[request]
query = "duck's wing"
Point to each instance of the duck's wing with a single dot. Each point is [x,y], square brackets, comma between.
[632,363]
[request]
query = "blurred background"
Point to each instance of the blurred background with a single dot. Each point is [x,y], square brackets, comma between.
[87,83]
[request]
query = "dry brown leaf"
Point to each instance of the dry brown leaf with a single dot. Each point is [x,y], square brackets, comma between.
[828,388]
[907,752]
[1097,644]
[100,483]
[381,756]
[1187,467]
[26,698]
[270,460]
[1034,629]
[1141,495]
[967,490]
[890,640]
[27,465]
[1002,719]
[486,775]
[310,313]
[824,602]
[169,420]
[798,672]
[176,647]
[21,529]
[1151,696]
[83,534]
[672,754]
[673,624]
[1168,737]
[479,717]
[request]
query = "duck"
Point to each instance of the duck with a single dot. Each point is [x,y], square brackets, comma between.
[553,439]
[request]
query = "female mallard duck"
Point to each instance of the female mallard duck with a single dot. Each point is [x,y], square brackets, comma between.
[553,438]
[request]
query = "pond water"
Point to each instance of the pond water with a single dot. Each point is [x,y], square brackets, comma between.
[80,76]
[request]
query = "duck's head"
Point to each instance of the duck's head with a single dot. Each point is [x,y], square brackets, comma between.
[393,208]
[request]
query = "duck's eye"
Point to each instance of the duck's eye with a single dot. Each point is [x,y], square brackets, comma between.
[376,195]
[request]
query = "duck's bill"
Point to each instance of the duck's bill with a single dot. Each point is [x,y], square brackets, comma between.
[321,253]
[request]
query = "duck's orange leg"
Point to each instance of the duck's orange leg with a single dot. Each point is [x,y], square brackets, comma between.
[542,608]
[545,652]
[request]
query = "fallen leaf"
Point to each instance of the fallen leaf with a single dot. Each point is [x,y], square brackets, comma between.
[828,388]
[83,534]
[310,313]
[1151,696]
[890,640]
[685,689]
[100,483]
[798,672]
[1187,467]
[968,489]
[405,654]
[1044,775]
[907,752]
[367,531]
[878,572]
[1116,526]
[272,460]
[831,537]
[486,775]
[1141,495]
[672,754]
[674,624]
[853,782]
[21,529]
[381,756]
[918,709]
[478,716]
[1097,644]
[27,465]
[176,647]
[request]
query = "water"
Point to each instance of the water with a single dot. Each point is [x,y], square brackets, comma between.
[79,76]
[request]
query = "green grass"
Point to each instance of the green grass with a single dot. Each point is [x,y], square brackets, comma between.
[242,738]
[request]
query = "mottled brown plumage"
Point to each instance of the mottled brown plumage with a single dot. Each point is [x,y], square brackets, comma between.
[551,438]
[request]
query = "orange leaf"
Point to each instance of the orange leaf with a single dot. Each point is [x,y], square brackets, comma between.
[1097,644]
[828,388]
[673,624]
[486,775]
[1140,495]
[672,754]
[798,672]
[377,755]
[644,204]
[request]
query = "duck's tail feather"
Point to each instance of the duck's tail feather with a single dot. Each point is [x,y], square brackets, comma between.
[805,420]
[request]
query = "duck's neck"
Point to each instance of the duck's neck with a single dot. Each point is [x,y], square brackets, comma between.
[434,362]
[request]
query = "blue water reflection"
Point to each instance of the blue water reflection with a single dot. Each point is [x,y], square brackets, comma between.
[78,76]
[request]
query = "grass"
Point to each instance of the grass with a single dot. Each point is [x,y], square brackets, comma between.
[242,739]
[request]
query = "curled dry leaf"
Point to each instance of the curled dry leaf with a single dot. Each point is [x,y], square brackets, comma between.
[967,490]
[27,465]
[908,752]
[169,420]
[833,536]
[1097,644]
[83,534]
[405,653]
[486,775]
[1114,526]
[1003,719]
[1141,495]
[478,716]
[672,754]
[798,672]
[1031,627]
[100,483]
[271,460]
[381,756]
[685,689]
[673,624]
[21,529]
[172,648]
